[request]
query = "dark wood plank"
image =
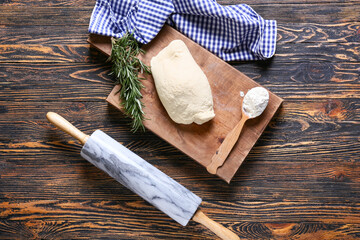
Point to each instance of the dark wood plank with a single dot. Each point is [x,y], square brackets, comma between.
[318,80]
[263,178]
[47,229]
[273,147]
[287,33]
[72,17]
[48,3]
[68,17]
[317,33]
[304,52]
[45,35]
[318,12]
[81,3]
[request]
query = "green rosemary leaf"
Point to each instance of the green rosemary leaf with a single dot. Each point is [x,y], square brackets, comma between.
[125,68]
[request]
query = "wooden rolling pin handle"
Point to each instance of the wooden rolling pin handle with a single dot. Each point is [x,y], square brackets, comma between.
[226,146]
[67,127]
[215,227]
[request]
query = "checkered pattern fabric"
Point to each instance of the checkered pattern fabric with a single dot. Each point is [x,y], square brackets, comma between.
[234,32]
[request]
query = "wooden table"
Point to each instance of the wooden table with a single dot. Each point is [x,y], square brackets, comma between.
[300,181]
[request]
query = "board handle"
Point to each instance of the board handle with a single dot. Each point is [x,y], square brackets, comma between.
[67,127]
[215,227]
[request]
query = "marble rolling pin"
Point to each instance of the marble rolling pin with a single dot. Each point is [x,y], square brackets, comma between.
[141,177]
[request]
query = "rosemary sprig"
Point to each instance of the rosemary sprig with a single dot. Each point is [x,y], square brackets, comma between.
[125,68]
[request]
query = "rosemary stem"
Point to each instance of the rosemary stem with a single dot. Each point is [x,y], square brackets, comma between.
[126,67]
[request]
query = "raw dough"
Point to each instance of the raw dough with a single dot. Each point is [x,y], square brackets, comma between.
[181,85]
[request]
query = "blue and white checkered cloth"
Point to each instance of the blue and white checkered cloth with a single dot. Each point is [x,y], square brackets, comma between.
[234,32]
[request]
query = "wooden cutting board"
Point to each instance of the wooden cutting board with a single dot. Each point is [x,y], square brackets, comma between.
[200,142]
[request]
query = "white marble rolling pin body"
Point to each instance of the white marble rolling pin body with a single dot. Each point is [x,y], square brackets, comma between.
[141,177]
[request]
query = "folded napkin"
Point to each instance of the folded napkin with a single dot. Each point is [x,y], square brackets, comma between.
[234,32]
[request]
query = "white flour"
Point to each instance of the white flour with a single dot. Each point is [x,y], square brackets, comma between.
[255,101]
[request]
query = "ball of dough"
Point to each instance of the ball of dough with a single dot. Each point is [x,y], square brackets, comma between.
[182,86]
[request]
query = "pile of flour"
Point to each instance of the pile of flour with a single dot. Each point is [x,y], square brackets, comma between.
[255,101]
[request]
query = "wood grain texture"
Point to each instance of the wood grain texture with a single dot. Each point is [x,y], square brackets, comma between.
[300,181]
[200,142]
